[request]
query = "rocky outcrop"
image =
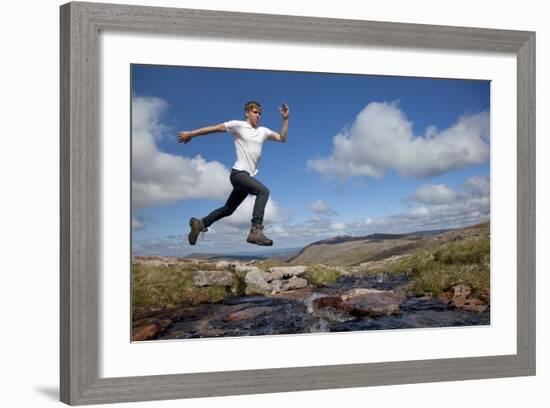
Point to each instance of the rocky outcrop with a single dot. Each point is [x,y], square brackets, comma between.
[285,272]
[149,330]
[256,283]
[225,264]
[212,278]
[275,280]
[294,283]
[244,268]
[462,297]
[363,302]
[148,324]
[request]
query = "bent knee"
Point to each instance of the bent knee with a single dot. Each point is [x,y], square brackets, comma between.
[264,191]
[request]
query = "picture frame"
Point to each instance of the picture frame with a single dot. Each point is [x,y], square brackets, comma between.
[81,23]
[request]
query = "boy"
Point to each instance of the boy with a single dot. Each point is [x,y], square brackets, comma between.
[248,138]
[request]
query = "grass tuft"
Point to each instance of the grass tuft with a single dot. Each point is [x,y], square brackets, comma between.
[163,286]
[321,275]
[435,270]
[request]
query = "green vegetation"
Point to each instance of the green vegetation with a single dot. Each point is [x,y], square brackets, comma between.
[269,263]
[163,286]
[464,252]
[438,269]
[320,275]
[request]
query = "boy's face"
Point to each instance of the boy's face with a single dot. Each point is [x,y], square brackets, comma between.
[253,116]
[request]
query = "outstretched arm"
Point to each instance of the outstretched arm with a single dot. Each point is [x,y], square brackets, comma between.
[284,110]
[186,136]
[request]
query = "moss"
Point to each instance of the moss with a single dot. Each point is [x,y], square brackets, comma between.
[213,294]
[321,275]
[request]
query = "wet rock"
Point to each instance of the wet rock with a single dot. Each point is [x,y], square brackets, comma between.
[297,294]
[212,278]
[461,297]
[474,305]
[424,303]
[363,302]
[247,314]
[379,281]
[146,332]
[372,302]
[335,302]
[149,329]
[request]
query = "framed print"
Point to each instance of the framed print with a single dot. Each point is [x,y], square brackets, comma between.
[133,78]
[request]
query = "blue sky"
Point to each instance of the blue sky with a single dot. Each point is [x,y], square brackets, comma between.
[364,154]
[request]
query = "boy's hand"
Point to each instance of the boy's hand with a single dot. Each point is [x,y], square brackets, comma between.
[284,111]
[184,137]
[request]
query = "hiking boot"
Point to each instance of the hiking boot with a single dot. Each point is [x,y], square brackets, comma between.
[197,226]
[257,237]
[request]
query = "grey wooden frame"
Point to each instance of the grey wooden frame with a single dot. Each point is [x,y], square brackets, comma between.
[80,191]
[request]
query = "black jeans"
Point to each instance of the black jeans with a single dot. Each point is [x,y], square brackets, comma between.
[243,185]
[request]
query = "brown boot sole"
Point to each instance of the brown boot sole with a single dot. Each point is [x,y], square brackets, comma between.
[250,241]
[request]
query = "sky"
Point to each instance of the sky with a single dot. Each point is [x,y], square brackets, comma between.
[364,154]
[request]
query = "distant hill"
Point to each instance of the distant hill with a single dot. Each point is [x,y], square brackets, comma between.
[281,254]
[346,250]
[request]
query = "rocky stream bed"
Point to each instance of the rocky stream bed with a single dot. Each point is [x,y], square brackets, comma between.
[280,301]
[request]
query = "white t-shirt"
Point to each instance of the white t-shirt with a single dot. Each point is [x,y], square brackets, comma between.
[248,144]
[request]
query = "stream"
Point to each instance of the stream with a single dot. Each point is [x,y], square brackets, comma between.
[308,311]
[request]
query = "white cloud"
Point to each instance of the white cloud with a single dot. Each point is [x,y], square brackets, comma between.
[138,223]
[241,218]
[471,206]
[443,208]
[339,226]
[160,178]
[478,186]
[434,194]
[382,138]
[320,207]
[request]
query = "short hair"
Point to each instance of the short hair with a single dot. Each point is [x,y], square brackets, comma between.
[251,105]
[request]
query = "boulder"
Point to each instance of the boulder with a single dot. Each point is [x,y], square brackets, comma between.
[461,297]
[293,284]
[279,272]
[364,302]
[271,283]
[225,264]
[149,328]
[461,290]
[144,332]
[212,278]
[245,268]
[371,302]
[256,283]
[298,294]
